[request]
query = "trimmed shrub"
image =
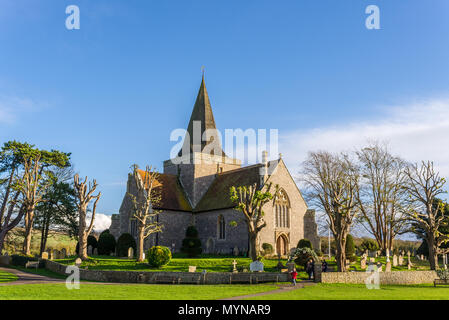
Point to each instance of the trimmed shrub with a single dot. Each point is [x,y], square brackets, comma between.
[91,241]
[302,256]
[267,248]
[350,247]
[191,245]
[106,243]
[304,243]
[369,244]
[158,256]
[21,260]
[124,242]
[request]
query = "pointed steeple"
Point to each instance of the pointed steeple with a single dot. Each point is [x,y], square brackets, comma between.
[203,119]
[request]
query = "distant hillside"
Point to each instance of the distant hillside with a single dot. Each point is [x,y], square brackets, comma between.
[55,240]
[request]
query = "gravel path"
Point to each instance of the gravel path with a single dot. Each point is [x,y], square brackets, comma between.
[28,278]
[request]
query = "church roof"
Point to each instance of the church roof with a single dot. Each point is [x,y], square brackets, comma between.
[172,194]
[202,112]
[218,196]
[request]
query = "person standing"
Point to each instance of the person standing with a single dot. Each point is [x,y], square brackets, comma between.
[309,268]
[294,274]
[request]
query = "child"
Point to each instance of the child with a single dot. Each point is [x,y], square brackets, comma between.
[294,274]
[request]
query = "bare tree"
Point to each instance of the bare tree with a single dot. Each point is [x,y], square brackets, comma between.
[381,197]
[144,203]
[84,195]
[424,185]
[250,200]
[330,183]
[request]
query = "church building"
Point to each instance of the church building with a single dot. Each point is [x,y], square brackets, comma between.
[195,191]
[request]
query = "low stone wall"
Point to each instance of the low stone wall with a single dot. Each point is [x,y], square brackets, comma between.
[172,277]
[395,277]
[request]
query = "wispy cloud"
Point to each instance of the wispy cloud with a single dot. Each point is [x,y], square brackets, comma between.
[12,107]
[416,131]
[102,221]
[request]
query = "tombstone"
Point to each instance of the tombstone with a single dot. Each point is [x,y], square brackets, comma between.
[290,266]
[395,260]
[372,260]
[78,262]
[236,251]
[89,250]
[348,264]
[363,263]
[245,270]
[422,257]
[192,268]
[401,260]
[388,267]
[63,253]
[130,252]
[234,269]
[387,253]
[50,255]
[95,252]
[143,256]
[256,266]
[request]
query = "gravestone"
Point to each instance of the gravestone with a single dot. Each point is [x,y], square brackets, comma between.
[234,269]
[51,255]
[89,250]
[130,252]
[63,253]
[44,256]
[78,262]
[395,260]
[192,268]
[256,266]
[363,263]
[56,254]
[290,266]
[401,260]
[372,260]
[379,266]
[143,256]
[95,252]
[388,267]
[236,251]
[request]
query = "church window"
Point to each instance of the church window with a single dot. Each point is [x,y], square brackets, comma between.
[221,228]
[282,210]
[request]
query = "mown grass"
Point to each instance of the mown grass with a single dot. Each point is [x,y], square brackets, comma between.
[128,292]
[7,277]
[324,291]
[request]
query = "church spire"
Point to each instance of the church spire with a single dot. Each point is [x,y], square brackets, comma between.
[202,119]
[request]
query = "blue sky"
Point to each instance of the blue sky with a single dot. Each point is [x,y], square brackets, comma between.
[112,91]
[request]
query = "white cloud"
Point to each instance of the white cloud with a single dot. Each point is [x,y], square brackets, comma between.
[102,221]
[12,107]
[418,131]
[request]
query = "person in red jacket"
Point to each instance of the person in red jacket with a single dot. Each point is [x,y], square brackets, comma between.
[294,274]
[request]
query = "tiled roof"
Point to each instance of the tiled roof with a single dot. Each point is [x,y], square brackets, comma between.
[172,194]
[218,196]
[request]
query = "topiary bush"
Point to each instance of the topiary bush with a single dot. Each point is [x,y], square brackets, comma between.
[91,241]
[349,247]
[304,243]
[191,245]
[158,256]
[106,243]
[267,248]
[302,255]
[124,242]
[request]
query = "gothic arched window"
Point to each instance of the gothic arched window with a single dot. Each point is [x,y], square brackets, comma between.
[282,210]
[221,227]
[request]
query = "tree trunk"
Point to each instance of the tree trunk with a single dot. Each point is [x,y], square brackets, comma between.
[29,217]
[141,242]
[82,235]
[2,239]
[253,245]
[340,257]
[44,235]
[433,257]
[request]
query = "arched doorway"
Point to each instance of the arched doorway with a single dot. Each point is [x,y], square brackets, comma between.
[282,245]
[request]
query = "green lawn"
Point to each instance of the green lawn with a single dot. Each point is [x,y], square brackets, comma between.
[128,292]
[360,292]
[7,277]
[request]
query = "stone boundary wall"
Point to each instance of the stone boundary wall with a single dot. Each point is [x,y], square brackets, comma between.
[171,277]
[394,277]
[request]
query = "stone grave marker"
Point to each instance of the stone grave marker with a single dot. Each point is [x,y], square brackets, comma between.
[290,266]
[363,263]
[401,260]
[89,250]
[130,252]
[256,266]
[236,251]
[63,253]
[44,255]
[78,262]
[395,260]
[50,255]
[234,269]
[388,267]
[192,268]
[379,266]
[95,252]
